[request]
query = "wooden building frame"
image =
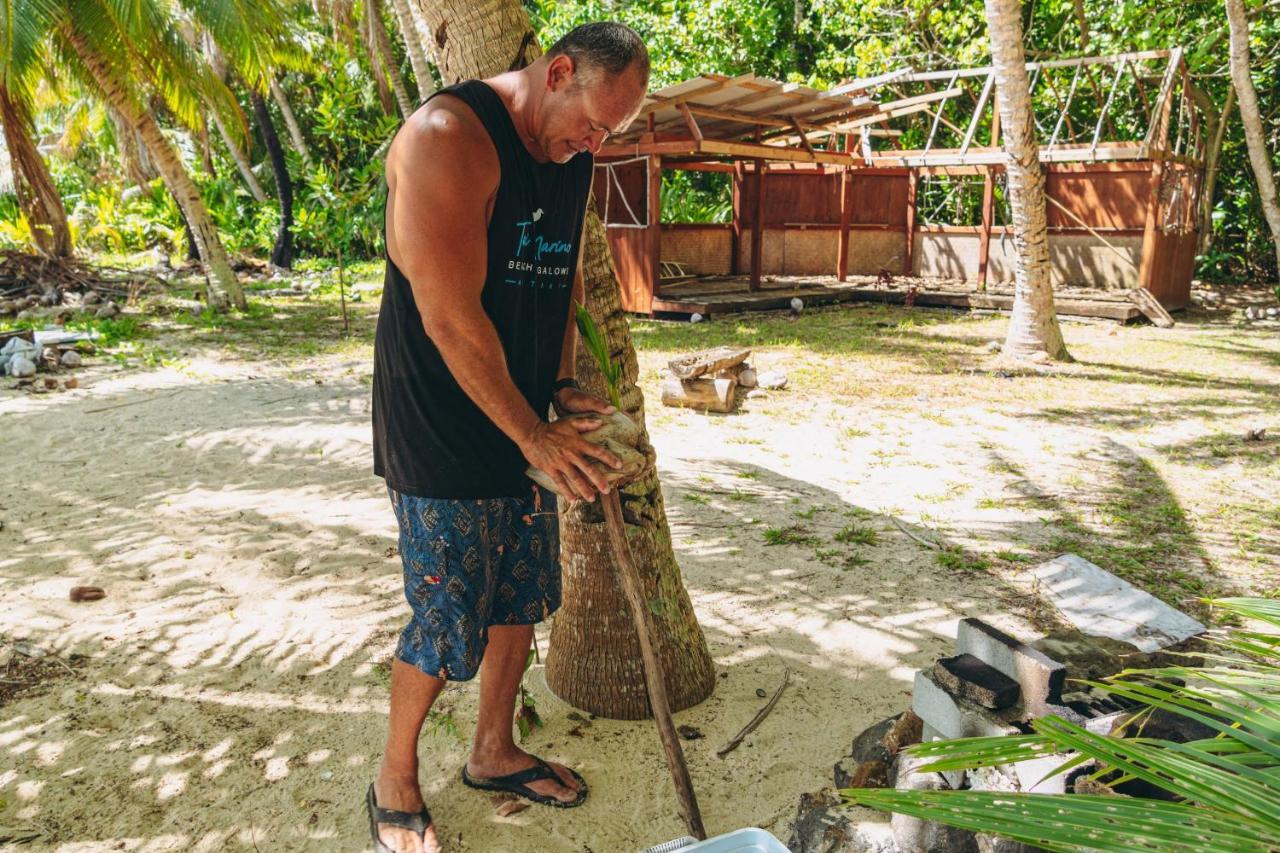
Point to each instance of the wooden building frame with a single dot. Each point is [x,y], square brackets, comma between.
[1128,175]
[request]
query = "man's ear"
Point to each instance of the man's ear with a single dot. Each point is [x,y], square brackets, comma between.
[560,73]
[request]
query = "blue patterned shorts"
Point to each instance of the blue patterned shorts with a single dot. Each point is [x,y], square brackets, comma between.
[469,564]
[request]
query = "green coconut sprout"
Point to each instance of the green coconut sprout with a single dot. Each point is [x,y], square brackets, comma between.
[599,349]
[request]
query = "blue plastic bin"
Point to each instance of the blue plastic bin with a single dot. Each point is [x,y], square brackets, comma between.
[750,840]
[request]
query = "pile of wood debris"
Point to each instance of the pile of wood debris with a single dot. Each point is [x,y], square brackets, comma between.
[56,289]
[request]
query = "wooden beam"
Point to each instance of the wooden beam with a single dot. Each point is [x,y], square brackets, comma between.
[691,122]
[1032,66]
[735,265]
[984,244]
[842,250]
[804,140]
[661,101]
[907,265]
[757,231]
[653,232]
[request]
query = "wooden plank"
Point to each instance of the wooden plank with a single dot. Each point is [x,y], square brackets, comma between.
[804,140]
[711,361]
[691,122]
[757,151]
[842,250]
[653,230]
[1151,307]
[660,101]
[757,230]
[908,261]
[1032,66]
[736,241]
[984,246]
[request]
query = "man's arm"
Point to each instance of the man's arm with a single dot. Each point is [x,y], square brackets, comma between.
[441,171]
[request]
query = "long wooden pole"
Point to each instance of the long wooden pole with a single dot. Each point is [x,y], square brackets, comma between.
[654,677]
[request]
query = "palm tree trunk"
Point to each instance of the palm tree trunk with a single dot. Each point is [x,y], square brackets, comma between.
[223,286]
[137,166]
[291,122]
[1212,165]
[1033,328]
[282,252]
[594,662]
[242,162]
[413,44]
[37,195]
[1251,118]
[382,48]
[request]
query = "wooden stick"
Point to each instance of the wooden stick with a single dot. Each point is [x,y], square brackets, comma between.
[654,677]
[925,542]
[757,719]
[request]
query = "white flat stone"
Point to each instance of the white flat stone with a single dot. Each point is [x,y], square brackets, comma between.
[1100,604]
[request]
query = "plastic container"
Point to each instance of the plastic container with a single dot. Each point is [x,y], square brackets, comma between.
[749,840]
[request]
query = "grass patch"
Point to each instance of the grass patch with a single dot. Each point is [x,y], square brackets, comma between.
[958,559]
[858,534]
[796,534]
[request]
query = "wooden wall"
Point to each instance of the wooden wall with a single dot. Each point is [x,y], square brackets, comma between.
[802,220]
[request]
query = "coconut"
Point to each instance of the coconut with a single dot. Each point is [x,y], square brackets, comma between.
[622,437]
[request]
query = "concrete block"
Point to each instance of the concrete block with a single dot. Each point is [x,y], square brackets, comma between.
[955,778]
[966,676]
[1032,772]
[951,716]
[1100,604]
[1039,676]
[914,835]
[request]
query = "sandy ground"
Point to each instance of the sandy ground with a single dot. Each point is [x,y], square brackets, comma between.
[229,692]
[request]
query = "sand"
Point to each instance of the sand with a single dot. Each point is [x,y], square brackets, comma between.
[230,690]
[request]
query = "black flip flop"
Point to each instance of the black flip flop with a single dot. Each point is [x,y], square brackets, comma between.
[518,783]
[405,820]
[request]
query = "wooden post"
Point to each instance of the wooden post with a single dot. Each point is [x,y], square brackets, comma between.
[842,251]
[988,198]
[1158,145]
[757,230]
[735,265]
[907,265]
[654,226]
[984,246]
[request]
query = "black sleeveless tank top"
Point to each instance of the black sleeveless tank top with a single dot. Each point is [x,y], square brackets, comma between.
[429,438]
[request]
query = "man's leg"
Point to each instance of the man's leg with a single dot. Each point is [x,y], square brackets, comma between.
[494,751]
[412,694]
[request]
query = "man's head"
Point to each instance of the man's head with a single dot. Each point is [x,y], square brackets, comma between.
[595,79]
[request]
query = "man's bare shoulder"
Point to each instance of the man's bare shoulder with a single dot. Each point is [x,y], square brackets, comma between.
[444,137]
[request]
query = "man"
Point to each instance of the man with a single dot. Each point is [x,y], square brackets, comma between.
[487,188]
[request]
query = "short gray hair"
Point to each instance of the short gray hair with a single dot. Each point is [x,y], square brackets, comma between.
[604,46]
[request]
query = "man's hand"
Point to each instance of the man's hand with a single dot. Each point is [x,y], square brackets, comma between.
[569,401]
[559,450]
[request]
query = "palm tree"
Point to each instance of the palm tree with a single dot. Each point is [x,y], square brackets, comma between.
[381,56]
[594,661]
[20,61]
[37,195]
[123,52]
[1251,118]
[1033,328]
[413,45]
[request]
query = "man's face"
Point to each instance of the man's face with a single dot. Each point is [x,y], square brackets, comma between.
[583,108]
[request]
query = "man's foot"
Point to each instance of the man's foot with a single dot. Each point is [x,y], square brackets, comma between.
[483,767]
[402,794]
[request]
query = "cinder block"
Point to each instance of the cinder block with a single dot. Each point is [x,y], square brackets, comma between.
[1039,676]
[965,675]
[916,835]
[955,778]
[951,716]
